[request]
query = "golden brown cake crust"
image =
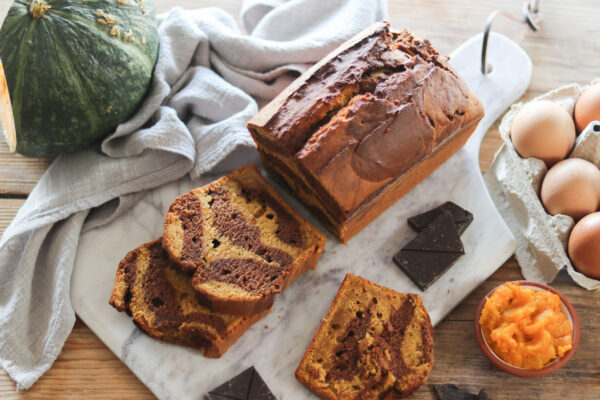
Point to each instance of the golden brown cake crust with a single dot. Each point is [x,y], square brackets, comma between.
[241,241]
[163,304]
[374,343]
[355,125]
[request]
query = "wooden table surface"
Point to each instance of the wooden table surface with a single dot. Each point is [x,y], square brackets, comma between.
[565,50]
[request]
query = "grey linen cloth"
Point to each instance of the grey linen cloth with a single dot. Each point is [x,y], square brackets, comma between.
[206,84]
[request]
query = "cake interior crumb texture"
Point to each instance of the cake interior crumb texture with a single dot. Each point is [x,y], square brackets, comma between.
[241,241]
[163,303]
[374,343]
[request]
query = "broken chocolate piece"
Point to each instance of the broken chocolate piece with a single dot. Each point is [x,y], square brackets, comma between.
[236,387]
[452,392]
[424,267]
[440,235]
[462,218]
[437,246]
[247,385]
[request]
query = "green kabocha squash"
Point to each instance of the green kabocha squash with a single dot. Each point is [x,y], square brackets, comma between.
[75,69]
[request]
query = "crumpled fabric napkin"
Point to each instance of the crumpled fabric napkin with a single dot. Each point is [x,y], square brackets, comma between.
[206,84]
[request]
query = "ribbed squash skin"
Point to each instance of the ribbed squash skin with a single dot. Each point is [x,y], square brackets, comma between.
[70,80]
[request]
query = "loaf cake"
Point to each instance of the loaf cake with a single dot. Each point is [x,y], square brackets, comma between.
[241,241]
[163,303]
[365,125]
[374,343]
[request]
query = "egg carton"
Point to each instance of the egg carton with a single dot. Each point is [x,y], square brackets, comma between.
[514,185]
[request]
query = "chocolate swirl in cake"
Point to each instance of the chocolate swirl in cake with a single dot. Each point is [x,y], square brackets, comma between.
[240,240]
[257,277]
[253,276]
[288,230]
[188,209]
[232,224]
[374,343]
[165,306]
[344,361]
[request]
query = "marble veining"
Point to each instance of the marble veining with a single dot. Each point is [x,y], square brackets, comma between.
[275,344]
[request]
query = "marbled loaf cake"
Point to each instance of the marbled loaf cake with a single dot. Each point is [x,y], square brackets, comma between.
[366,124]
[163,303]
[241,240]
[374,343]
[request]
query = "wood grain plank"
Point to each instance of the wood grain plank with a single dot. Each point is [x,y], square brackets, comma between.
[85,369]
[19,174]
[8,210]
[565,50]
[471,370]
[489,145]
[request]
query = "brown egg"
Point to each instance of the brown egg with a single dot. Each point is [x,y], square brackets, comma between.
[587,108]
[571,187]
[584,246]
[544,130]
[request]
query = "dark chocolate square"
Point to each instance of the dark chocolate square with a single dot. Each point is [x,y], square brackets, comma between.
[440,235]
[247,385]
[424,267]
[461,217]
[453,392]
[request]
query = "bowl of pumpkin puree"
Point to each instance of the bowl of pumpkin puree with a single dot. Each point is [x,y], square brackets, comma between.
[527,329]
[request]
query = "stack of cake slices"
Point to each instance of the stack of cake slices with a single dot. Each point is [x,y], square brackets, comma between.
[227,250]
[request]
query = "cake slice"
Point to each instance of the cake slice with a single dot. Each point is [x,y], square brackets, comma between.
[374,343]
[162,302]
[241,241]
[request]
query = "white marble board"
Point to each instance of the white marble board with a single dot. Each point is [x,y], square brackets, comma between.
[275,344]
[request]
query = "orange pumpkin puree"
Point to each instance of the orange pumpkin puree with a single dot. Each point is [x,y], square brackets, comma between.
[524,327]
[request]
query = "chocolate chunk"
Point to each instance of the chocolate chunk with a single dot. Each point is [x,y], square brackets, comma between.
[236,387]
[433,251]
[462,218]
[259,389]
[439,235]
[424,267]
[247,385]
[452,392]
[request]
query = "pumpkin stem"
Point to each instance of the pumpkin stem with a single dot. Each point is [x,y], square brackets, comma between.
[38,8]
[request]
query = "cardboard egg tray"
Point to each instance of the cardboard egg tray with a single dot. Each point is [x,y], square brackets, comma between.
[514,184]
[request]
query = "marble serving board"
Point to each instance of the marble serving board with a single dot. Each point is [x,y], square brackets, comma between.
[275,344]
